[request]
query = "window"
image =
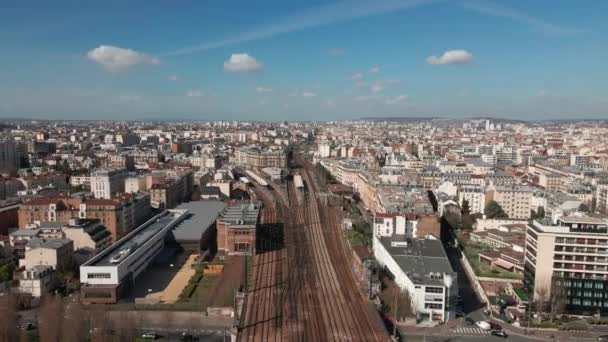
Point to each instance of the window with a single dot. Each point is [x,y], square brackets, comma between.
[432,306]
[430,289]
[98,276]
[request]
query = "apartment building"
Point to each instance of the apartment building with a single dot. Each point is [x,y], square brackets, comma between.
[348,173]
[257,158]
[601,198]
[119,215]
[571,255]
[515,200]
[49,252]
[236,229]
[106,182]
[474,195]
[550,181]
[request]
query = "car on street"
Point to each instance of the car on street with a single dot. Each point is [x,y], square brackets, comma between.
[484,325]
[499,333]
[149,335]
[495,326]
[469,321]
[603,338]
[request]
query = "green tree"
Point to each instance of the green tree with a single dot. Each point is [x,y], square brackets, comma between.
[6,272]
[541,212]
[494,210]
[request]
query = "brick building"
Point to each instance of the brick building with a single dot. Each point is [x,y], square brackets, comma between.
[236,229]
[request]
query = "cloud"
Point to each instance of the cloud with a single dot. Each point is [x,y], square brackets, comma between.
[331,13]
[374,69]
[376,87]
[262,89]
[242,62]
[336,52]
[396,99]
[195,93]
[360,84]
[309,94]
[115,58]
[493,9]
[356,76]
[173,78]
[451,57]
[363,98]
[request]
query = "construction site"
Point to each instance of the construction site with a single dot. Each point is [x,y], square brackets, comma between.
[302,284]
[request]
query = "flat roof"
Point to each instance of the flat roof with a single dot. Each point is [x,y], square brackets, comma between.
[201,215]
[241,214]
[419,258]
[136,238]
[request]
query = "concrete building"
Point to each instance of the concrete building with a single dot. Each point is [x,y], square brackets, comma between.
[38,281]
[515,200]
[571,255]
[135,184]
[601,198]
[236,229]
[118,215]
[474,195]
[197,231]
[87,234]
[9,217]
[421,268]
[256,158]
[107,182]
[110,274]
[49,252]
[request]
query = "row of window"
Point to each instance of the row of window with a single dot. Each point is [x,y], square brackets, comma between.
[98,276]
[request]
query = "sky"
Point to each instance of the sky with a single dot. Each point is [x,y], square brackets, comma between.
[303,59]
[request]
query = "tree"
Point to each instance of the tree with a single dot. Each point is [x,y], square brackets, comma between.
[8,318]
[6,272]
[73,329]
[68,270]
[541,212]
[583,208]
[494,210]
[557,300]
[51,310]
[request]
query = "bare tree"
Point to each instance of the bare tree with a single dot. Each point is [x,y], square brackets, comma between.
[540,299]
[125,326]
[73,329]
[49,319]
[8,318]
[558,299]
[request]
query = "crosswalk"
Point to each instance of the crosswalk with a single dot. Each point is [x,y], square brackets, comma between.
[470,331]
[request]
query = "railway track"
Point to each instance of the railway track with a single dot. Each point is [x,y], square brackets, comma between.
[305,290]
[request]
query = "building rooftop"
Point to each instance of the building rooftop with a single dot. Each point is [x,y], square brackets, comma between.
[201,215]
[423,260]
[242,214]
[48,243]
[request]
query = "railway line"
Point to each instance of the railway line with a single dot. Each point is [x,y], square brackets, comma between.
[304,289]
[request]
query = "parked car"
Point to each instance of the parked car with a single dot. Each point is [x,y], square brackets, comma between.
[495,326]
[149,336]
[484,325]
[499,333]
[469,321]
[603,338]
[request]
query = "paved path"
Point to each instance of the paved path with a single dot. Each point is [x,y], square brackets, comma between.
[170,294]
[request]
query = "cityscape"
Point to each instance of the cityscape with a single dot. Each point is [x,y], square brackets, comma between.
[205,171]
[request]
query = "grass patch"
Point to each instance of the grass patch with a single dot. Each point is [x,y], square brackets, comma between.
[471,250]
[522,294]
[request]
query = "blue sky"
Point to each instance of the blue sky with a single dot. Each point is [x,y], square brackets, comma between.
[304,60]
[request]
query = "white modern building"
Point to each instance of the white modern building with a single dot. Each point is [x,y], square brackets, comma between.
[109,274]
[105,182]
[422,269]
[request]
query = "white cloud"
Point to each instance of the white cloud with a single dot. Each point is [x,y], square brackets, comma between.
[451,57]
[336,52]
[309,94]
[361,84]
[396,99]
[374,69]
[115,58]
[542,92]
[376,87]
[242,62]
[173,78]
[362,98]
[356,76]
[262,89]
[195,93]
